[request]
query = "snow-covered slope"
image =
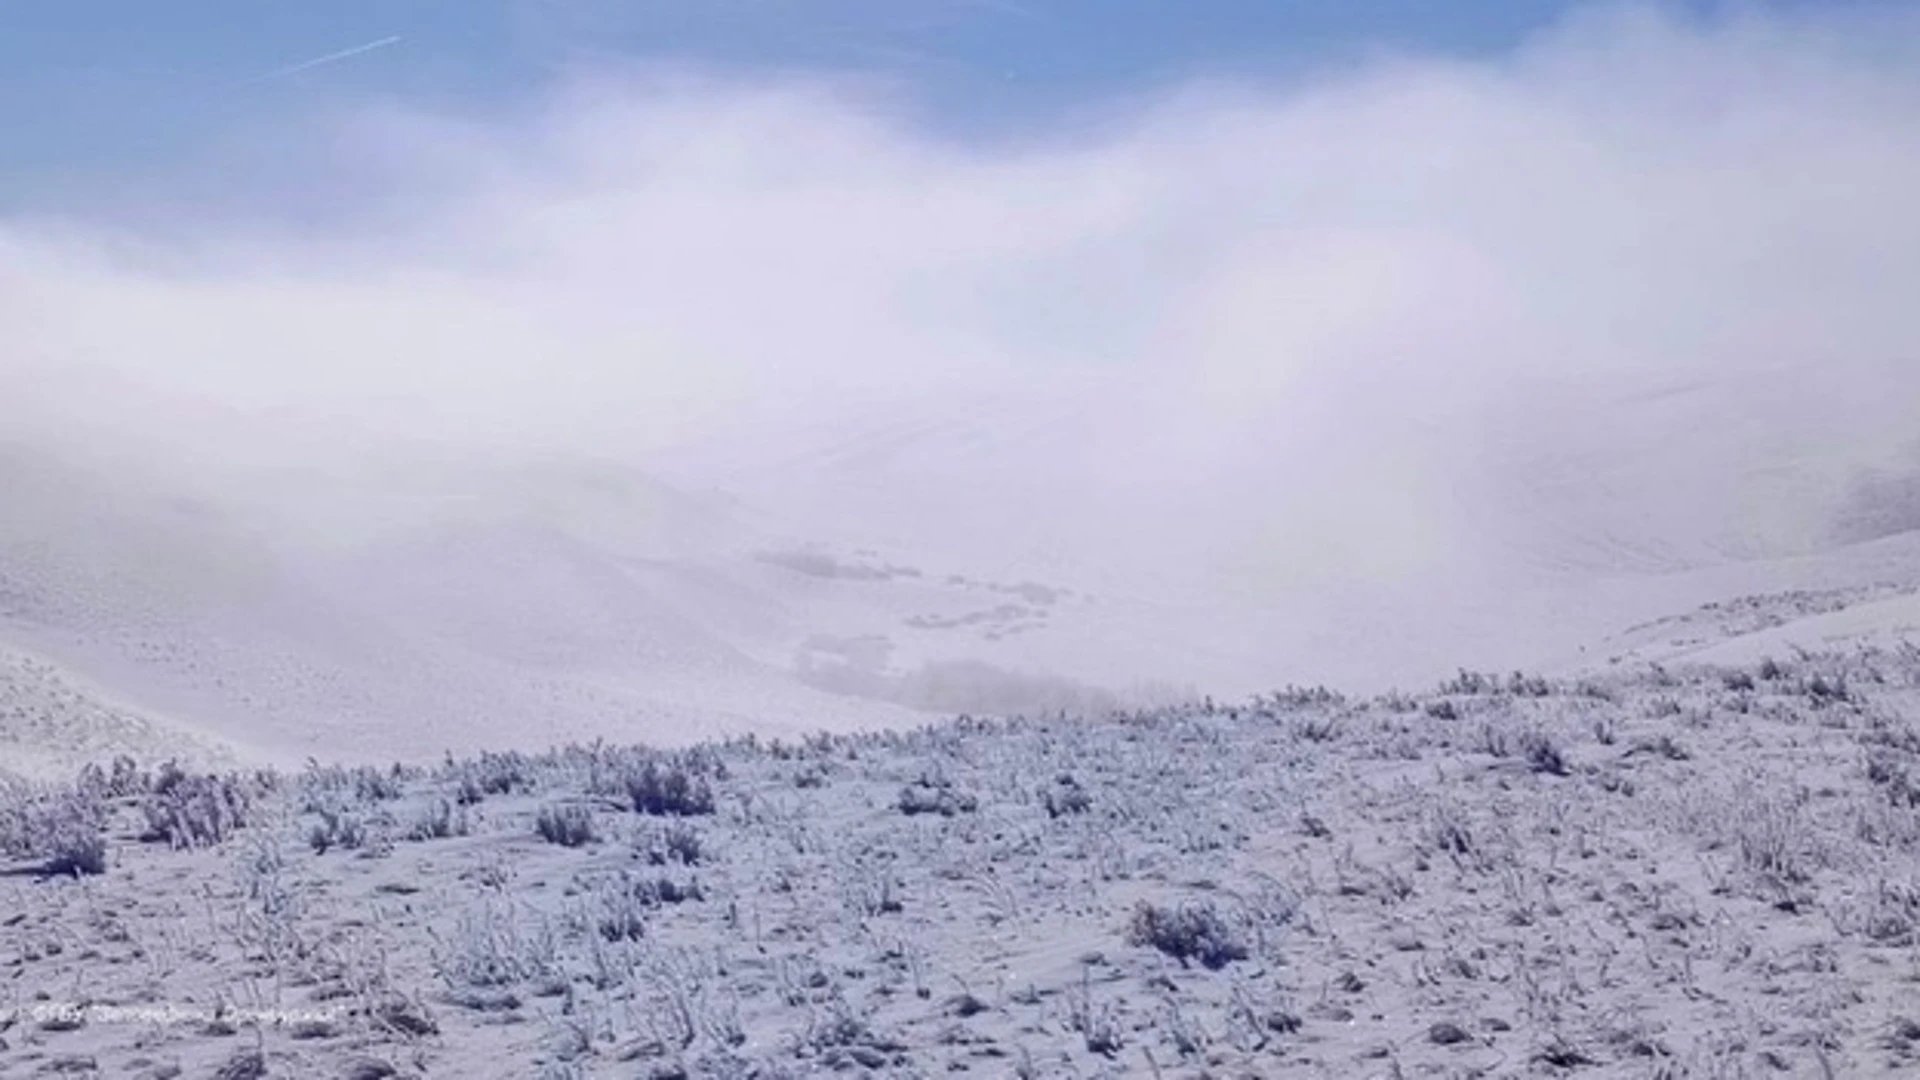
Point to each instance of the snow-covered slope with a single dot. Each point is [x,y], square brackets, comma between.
[1070,542]
[1330,537]
[51,724]
[431,601]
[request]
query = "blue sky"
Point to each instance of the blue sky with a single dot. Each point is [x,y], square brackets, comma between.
[92,91]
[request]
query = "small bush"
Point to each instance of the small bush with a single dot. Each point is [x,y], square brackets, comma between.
[61,827]
[1066,796]
[923,798]
[1494,741]
[621,917]
[1447,830]
[1190,932]
[407,1016]
[1891,774]
[377,785]
[1543,753]
[675,842]
[672,792]
[1317,729]
[654,892]
[439,821]
[195,811]
[568,826]
[683,843]
[1822,690]
[1663,745]
[1664,706]
[78,854]
[336,829]
[1469,683]
[492,947]
[1300,697]
[474,779]
[124,781]
[1520,684]
[620,904]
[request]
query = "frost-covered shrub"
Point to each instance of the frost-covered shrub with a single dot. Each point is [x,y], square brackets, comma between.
[621,915]
[439,821]
[473,779]
[378,785]
[677,842]
[569,825]
[924,798]
[1890,774]
[123,781]
[1300,697]
[337,785]
[1319,729]
[1773,837]
[504,774]
[1520,684]
[490,946]
[195,811]
[337,828]
[1471,683]
[61,827]
[672,791]
[1065,797]
[871,890]
[1493,740]
[1823,690]
[1593,691]
[1186,933]
[77,854]
[1543,753]
[617,906]
[655,891]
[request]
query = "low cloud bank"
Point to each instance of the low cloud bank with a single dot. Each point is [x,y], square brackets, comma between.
[1379,311]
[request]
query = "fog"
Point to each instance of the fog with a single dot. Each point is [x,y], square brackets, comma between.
[1643,281]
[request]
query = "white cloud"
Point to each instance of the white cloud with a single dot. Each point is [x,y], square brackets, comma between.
[1346,304]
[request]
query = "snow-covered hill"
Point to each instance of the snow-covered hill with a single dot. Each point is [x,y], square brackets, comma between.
[1064,543]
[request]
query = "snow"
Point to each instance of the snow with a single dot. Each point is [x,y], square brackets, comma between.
[1072,542]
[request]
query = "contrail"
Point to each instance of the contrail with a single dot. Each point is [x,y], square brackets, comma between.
[331,57]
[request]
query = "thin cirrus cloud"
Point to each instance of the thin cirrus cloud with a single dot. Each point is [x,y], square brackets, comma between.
[1364,292]
[334,57]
